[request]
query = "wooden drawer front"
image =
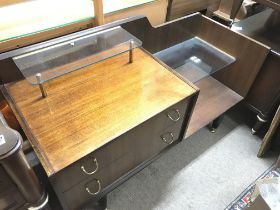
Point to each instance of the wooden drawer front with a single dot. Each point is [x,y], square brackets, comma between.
[89,165]
[118,148]
[174,115]
[145,148]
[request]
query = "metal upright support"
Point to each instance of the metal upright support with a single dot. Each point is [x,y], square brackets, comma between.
[42,88]
[131,43]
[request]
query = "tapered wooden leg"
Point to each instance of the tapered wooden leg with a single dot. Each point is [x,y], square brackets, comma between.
[215,124]
[168,12]
[235,8]
[209,13]
[258,125]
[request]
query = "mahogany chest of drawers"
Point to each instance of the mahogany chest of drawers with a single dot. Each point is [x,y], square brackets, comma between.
[102,124]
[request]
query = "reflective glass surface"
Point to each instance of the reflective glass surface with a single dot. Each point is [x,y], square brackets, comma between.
[65,57]
[195,59]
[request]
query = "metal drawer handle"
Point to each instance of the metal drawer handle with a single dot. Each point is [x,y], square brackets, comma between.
[165,140]
[98,191]
[178,117]
[90,173]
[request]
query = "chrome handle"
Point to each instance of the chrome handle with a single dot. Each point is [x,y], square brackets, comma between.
[90,173]
[98,191]
[165,140]
[174,119]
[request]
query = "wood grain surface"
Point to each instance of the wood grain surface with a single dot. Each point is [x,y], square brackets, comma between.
[250,55]
[213,100]
[88,108]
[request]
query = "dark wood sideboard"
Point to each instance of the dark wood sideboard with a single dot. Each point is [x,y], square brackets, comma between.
[102,124]
[264,95]
[223,89]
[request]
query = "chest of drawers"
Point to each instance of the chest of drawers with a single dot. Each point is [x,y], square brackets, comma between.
[90,177]
[100,125]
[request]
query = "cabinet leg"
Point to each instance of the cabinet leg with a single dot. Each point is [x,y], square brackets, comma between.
[98,205]
[260,122]
[209,13]
[215,124]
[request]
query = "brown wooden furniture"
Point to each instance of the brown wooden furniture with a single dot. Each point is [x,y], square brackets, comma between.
[180,8]
[226,87]
[227,8]
[102,123]
[264,95]
[209,106]
[274,4]
[56,138]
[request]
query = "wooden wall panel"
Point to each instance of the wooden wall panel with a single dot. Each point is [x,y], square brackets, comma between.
[249,55]
[155,39]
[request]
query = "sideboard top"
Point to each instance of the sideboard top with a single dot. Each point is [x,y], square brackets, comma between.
[86,109]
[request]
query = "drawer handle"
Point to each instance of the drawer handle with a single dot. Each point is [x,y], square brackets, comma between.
[175,119]
[98,191]
[165,139]
[90,173]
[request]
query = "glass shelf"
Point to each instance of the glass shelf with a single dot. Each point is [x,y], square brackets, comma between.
[195,59]
[57,60]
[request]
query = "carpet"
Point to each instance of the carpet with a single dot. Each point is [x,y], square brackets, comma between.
[203,172]
[242,201]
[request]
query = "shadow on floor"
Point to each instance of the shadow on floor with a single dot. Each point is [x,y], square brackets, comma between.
[151,184]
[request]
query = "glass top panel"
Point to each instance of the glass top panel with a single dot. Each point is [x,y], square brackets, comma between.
[195,59]
[65,57]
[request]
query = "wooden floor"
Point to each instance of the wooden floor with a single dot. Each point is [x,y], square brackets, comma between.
[213,100]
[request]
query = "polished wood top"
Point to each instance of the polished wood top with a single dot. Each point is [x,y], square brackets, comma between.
[90,107]
[214,99]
